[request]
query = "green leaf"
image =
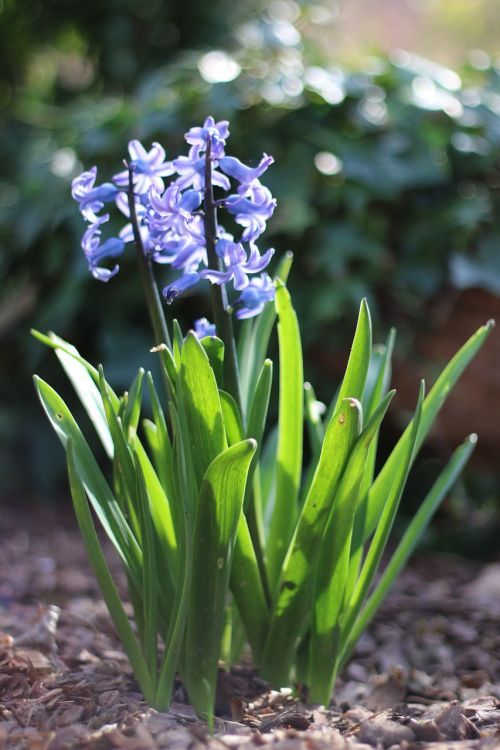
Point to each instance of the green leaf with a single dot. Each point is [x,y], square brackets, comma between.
[253,496]
[78,372]
[356,372]
[169,368]
[124,462]
[293,600]
[332,568]
[178,341]
[257,414]
[248,590]
[132,411]
[96,487]
[200,407]
[289,455]
[409,541]
[104,579]
[59,344]
[384,526]
[218,513]
[214,348]
[314,422]
[379,376]
[150,569]
[161,513]
[162,451]
[432,405]
[232,418]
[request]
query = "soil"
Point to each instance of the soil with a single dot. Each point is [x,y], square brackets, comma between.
[426,675]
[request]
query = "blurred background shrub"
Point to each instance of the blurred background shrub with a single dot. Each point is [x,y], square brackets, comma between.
[386,174]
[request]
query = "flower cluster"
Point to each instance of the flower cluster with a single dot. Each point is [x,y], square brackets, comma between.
[171,219]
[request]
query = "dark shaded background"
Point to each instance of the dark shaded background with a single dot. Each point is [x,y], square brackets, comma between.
[386,175]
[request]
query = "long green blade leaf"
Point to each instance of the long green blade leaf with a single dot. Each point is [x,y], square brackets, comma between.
[332,567]
[409,541]
[101,497]
[248,590]
[219,507]
[200,407]
[432,405]
[150,569]
[294,591]
[354,380]
[106,584]
[289,456]
[79,373]
[384,526]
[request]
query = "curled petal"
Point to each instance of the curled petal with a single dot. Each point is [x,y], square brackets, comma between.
[179,286]
[253,298]
[245,175]
[216,277]
[256,261]
[95,252]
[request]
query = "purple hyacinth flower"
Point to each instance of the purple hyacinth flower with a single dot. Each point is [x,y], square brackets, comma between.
[191,171]
[253,298]
[216,131]
[182,253]
[238,266]
[180,285]
[246,176]
[203,328]
[95,252]
[148,166]
[251,210]
[173,210]
[91,199]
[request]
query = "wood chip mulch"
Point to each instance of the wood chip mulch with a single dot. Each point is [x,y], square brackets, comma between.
[426,675]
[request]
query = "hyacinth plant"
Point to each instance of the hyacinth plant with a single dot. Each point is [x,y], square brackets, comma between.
[228,539]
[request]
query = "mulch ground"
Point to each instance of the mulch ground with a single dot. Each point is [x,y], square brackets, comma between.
[426,675]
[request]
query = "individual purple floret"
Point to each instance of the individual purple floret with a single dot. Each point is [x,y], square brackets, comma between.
[238,265]
[173,210]
[149,167]
[180,285]
[182,253]
[191,171]
[246,176]
[96,253]
[251,210]
[91,199]
[253,298]
[203,328]
[218,132]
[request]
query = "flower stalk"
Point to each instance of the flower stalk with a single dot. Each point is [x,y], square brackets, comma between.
[153,301]
[222,316]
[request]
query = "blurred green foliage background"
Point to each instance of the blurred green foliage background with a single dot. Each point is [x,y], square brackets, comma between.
[386,174]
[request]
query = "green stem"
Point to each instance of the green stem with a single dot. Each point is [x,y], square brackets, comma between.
[222,318]
[153,300]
